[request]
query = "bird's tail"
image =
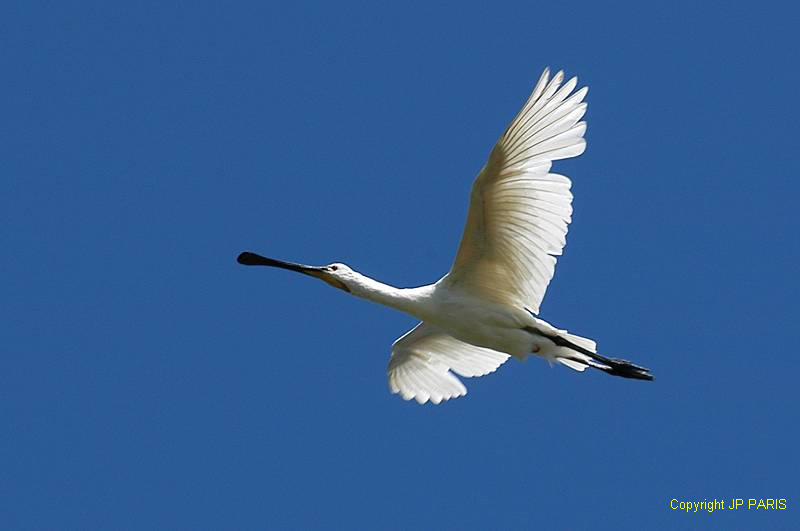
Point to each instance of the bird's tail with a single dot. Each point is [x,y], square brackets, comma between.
[579,353]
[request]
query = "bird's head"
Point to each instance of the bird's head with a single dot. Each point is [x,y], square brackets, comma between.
[338,275]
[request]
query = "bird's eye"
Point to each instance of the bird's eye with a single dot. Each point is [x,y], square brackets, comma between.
[334,268]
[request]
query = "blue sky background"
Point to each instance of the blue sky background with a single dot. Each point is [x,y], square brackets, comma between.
[148,382]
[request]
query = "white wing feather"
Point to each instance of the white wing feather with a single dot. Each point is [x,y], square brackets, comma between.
[519,211]
[422,361]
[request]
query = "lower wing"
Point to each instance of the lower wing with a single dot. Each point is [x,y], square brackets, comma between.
[422,361]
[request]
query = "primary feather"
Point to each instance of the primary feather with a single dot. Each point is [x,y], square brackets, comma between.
[422,361]
[519,211]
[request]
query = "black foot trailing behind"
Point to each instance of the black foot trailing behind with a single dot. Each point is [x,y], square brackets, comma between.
[613,366]
[623,368]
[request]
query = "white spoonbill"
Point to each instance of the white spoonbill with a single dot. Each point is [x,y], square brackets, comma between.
[486,308]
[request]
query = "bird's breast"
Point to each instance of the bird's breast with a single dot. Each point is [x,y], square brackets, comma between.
[484,324]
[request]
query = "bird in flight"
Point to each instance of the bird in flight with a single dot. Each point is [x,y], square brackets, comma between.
[486,308]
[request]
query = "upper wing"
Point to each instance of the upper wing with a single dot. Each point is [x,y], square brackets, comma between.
[519,212]
[423,358]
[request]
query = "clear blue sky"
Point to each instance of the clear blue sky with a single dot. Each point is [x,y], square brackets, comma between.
[149,382]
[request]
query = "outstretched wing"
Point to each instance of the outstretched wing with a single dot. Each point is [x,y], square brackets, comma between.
[422,361]
[519,211]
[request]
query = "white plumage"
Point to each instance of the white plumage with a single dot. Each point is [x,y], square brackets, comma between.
[423,358]
[486,308]
[519,211]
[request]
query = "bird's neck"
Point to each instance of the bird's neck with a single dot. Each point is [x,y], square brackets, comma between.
[407,300]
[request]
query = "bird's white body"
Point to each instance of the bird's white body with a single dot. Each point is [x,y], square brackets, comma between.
[481,323]
[486,308]
[462,315]
[465,316]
